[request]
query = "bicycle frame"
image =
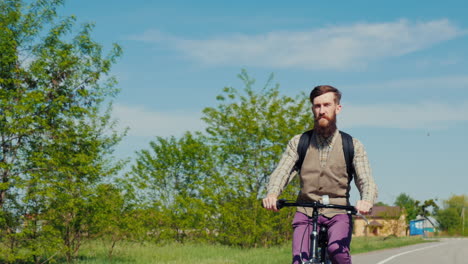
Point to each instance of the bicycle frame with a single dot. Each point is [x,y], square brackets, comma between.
[315,246]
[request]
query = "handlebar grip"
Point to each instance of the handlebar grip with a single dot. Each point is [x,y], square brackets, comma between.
[280,203]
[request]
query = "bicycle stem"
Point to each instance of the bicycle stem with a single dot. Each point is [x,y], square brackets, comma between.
[314,234]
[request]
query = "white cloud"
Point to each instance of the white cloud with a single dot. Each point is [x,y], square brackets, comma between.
[426,83]
[332,47]
[146,123]
[427,115]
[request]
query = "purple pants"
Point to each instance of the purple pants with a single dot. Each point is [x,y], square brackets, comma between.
[339,237]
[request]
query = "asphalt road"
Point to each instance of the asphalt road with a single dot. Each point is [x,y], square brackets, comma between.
[445,251]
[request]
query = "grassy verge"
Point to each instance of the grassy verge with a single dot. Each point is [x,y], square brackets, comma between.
[95,252]
[366,244]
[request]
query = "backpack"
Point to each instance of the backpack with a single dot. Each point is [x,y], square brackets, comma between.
[348,150]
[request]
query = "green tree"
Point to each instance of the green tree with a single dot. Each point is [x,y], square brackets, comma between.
[208,186]
[250,129]
[55,139]
[423,208]
[177,177]
[408,204]
[381,204]
[114,216]
[452,217]
[77,162]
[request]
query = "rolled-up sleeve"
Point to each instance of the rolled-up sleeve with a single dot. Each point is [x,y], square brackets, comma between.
[363,178]
[283,173]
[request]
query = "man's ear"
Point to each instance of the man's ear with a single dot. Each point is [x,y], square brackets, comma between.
[338,109]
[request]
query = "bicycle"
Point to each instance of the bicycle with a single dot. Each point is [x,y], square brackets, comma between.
[318,238]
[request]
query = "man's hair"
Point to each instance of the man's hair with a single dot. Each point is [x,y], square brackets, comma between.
[323,89]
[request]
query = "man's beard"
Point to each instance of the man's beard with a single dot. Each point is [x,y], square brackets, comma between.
[325,130]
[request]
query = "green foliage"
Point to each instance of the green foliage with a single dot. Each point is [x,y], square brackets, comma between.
[409,204]
[380,204]
[250,130]
[55,139]
[113,218]
[208,187]
[422,208]
[413,208]
[452,217]
[174,175]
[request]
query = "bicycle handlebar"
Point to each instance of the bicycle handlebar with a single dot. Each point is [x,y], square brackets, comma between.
[316,205]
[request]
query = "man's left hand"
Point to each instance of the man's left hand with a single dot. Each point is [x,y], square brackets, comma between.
[363,207]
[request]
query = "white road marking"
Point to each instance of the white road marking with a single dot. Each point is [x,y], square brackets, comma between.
[407,252]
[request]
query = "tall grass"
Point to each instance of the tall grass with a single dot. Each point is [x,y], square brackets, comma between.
[96,252]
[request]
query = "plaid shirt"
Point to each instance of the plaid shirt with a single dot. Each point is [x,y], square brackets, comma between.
[364,181]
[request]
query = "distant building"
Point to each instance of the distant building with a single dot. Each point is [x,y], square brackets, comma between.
[423,226]
[383,221]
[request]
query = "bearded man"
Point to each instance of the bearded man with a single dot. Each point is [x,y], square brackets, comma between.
[323,172]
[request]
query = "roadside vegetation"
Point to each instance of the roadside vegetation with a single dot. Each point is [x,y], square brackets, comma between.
[138,253]
[64,197]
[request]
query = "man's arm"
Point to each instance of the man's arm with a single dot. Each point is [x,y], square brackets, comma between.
[364,179]
[282,175]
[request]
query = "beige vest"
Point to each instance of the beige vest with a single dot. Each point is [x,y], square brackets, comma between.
[331,180]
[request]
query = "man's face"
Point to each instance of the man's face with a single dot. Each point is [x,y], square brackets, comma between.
[325,109]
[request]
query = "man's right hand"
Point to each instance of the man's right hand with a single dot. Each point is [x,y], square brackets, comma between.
[269,202]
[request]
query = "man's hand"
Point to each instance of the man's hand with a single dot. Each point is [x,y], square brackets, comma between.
[269,202]
[363,207]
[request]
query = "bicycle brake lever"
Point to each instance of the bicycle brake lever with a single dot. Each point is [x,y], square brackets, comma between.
[363,217]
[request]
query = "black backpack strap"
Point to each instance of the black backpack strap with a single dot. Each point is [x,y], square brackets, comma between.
[302,146]
[348,149]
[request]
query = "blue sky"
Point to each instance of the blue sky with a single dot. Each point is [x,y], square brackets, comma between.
[402,67]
